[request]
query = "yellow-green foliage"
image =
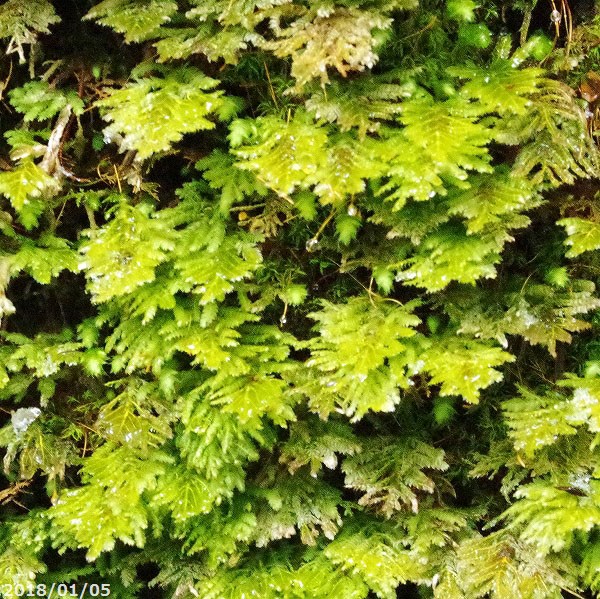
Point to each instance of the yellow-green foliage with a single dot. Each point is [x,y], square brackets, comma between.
[298,299]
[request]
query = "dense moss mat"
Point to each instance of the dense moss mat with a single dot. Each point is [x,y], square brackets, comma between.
[299,299]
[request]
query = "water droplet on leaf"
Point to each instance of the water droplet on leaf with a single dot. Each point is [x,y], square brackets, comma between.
[312,244]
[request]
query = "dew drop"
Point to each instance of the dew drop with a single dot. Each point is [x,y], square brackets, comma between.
[352,211]
[555,16]
[312,244]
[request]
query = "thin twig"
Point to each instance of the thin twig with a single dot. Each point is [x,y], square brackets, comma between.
[50,161]
[271,89]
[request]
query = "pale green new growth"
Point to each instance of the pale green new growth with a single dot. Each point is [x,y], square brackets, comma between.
[136,20]
[152,113]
